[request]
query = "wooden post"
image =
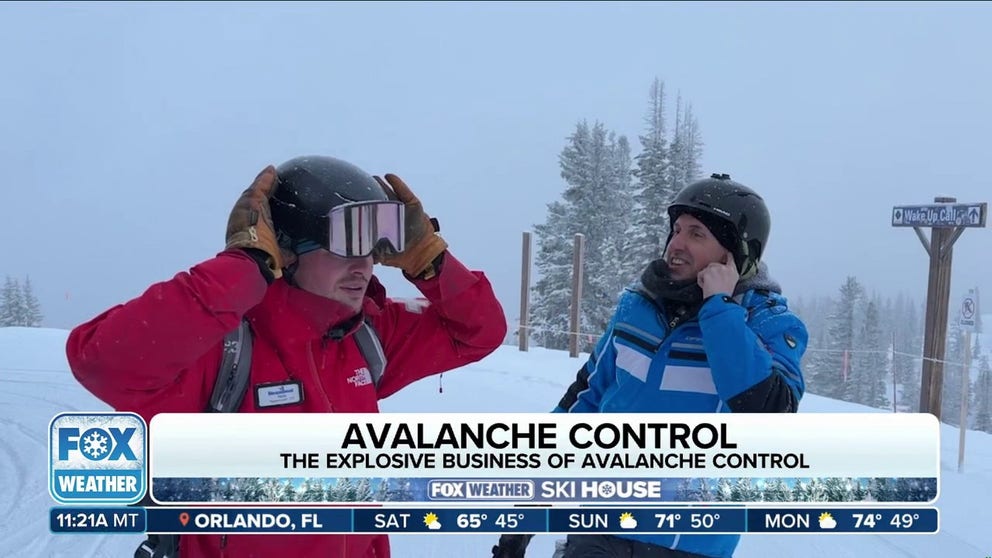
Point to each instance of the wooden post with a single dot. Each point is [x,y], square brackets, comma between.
[946,221]
[523,330]
[935,329]
[573,330]
[965,382]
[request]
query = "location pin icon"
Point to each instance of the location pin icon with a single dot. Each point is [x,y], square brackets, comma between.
[184,518]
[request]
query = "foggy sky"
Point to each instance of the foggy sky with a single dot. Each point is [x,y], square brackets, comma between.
[130,130]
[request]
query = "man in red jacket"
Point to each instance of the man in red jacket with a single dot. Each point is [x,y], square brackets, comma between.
[297,266]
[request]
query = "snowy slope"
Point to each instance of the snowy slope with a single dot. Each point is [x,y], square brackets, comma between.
[35,385]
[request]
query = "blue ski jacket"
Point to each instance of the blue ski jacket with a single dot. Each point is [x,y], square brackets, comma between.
[739,354]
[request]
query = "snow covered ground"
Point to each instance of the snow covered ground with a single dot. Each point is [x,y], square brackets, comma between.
[35,384]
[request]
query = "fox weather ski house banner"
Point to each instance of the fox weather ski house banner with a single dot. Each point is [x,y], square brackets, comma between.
[97,458]
[541,458]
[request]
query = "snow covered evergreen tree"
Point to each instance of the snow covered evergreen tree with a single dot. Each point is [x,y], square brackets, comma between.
[11,304]
[18,305]
[312,490]
[271,490]
[597,203]
[983,393]
[686,148]
[909,343]
[829,378]
[552,291]
[866,383]
[743,491]
[253,490]
[654,190]
[363,490]
[31,306]
[954,357]
[777,491]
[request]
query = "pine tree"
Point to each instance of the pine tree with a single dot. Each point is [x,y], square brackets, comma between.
[686,148]
[817,490]
[954,357]
[703,490]
[777,491]
[344,489]
[724,491]
[654,191]
[904,488]
[400,490]
[906,368]
[232,491]
[227,490]
[837,489]
[881,489]
[830,377]
[606,221]
[287,492]
[311,490]
[271,490]
[866,383]
[743,491]
[686,490]
[620,269]
[815,313]
[363,490]
[552,291]
[983,395]
[597,203]
[10,303]
[252,489]
[382,491]
[978,313]
[31,306]
[858,492]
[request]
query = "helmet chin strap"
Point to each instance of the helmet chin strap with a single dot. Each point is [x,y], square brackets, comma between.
[289,273]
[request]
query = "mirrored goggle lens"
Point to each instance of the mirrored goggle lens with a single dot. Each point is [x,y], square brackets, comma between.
[356,229]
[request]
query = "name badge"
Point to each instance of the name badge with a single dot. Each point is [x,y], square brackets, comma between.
[278,394]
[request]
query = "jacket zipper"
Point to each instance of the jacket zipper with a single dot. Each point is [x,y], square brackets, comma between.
[670,326]
[315,372]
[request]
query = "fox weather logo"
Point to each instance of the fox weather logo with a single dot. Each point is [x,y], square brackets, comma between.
[97,457]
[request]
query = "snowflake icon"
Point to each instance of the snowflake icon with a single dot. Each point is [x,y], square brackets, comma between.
[607,489]
[95,444]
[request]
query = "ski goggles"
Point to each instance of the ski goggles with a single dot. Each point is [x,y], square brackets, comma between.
[354,230]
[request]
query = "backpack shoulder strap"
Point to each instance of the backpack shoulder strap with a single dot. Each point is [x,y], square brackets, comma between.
[370,346]
[234,372]
[229,391]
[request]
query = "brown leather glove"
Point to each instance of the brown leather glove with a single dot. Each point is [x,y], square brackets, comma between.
[423,244]
[250,225]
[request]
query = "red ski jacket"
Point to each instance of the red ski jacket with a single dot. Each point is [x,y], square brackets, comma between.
[161,352]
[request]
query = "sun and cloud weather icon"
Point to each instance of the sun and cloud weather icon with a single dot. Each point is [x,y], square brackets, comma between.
[430,520]
[627,521]
[827,521]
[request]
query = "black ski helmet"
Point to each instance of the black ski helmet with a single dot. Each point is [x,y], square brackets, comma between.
[309,187]
[741,208]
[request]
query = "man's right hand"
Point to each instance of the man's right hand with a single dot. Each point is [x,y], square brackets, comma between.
[250,227]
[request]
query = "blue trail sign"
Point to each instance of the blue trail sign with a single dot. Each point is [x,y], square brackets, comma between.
[940,215]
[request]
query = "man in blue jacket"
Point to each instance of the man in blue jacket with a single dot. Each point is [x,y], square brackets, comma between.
[706,330]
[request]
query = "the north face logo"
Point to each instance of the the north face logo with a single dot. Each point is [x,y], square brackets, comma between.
[362,377]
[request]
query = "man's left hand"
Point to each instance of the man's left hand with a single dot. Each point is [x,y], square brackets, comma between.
[719,277]
[423,244]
